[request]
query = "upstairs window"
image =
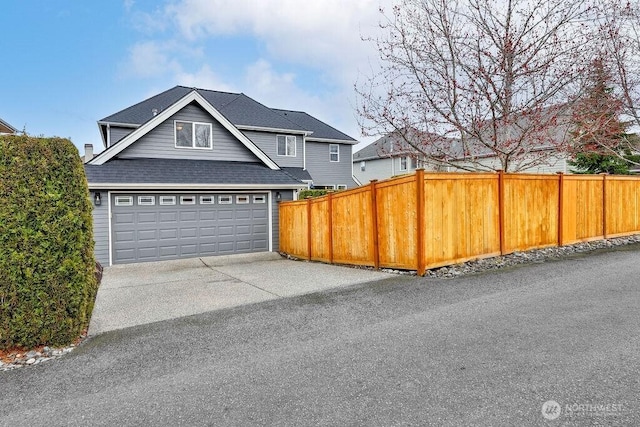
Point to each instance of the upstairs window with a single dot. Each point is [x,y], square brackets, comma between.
[334,152]
[286,145]
[193,135]
[403,163]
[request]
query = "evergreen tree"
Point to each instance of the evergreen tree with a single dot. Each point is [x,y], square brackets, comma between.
[600,142]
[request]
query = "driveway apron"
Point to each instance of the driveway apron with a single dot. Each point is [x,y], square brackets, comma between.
[137,294]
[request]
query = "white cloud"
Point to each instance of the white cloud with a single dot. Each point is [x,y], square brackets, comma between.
[202,78]
[149,59]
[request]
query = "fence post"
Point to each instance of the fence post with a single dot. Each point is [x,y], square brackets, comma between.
[421,267]
[604,205]
[501,210]
[560,208]
[374,223]
[330,226]
[309,228]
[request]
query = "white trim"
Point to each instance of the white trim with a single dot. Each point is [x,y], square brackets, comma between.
[335,141]
[225,202]
[153,201]
[173,201]
[286,144]
[274,130]
[193,135]
[341,186]
[257,201]
[122,125]
[142,187]
[192,96]
[210,202]
[130,203]
[183,200]
[109,239]
[245,196]
[331,153]
[270,219]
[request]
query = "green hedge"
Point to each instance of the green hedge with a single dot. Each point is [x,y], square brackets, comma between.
[47,269]
[306,194]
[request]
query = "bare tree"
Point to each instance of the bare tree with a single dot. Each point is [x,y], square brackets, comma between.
[618,23]
[498,75]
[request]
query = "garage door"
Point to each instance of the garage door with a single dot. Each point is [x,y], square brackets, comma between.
[152,227]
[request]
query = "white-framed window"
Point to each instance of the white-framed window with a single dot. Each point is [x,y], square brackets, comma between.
[341,186]
[334,152]
[146,200]
[403,163]
[414,163]
[224,200]
[363,165]
[124,200]
[192,135]
[260,199]
[167,200]
[286,145]
[242,200]
[187,200]
[206,200]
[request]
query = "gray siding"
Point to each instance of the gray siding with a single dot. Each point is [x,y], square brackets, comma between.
[266,141]
[101,228]
[160,142]
[117,133]
[325,172]
[374,169]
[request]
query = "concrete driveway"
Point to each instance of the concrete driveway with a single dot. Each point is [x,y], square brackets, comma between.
[137,294]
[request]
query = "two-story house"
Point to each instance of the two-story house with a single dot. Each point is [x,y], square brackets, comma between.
[193,172]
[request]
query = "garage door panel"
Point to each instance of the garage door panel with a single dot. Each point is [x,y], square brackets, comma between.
[188,216]
[168,233]
[168,216]
[225,214]
[147,217]
[145,233]
[188,233]
[243,214]
[124,218]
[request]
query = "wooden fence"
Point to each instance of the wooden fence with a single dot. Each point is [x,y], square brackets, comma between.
[429,220]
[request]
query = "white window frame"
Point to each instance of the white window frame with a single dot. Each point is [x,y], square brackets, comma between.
[363,166]
[242,200]
[210,201]
[225,200]
[123,200]
[260,199]
[193,135]
[341,186]
[337,152]
[167,200]
[404,163]
[184,201]
[151,201]
[287,140]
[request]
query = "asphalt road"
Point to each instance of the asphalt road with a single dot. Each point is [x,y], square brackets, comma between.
[488,349]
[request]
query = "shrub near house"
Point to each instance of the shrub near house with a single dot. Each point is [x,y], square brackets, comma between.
[47,282]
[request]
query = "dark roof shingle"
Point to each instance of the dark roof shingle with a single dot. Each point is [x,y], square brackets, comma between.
[181,171]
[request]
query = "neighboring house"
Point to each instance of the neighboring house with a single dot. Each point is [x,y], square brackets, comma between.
[193,172]
[6,128]
[389,156]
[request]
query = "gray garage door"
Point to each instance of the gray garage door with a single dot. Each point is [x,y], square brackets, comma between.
[151,227]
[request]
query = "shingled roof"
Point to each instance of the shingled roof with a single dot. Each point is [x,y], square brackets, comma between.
[238,108]
[182,172]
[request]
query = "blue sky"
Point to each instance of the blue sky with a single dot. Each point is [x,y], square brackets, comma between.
[67,64]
